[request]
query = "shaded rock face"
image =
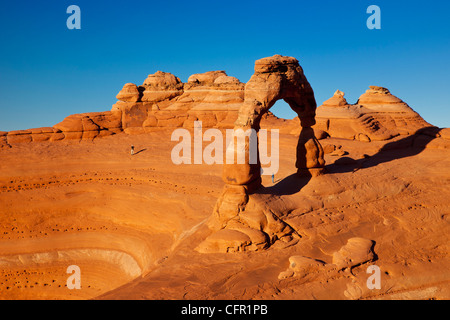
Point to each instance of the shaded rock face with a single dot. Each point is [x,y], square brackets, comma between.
[378,115]
[3,140]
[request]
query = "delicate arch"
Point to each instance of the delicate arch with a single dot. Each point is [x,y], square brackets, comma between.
[276,78]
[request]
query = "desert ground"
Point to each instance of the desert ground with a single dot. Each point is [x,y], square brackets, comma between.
[133,223]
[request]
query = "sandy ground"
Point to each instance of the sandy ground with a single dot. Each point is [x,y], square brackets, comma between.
[131,223]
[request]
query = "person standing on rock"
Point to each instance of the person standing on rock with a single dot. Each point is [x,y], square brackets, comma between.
[273,177]
[132,150]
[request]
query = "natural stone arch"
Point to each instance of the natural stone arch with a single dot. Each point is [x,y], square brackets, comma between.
[243,220]
[277,78]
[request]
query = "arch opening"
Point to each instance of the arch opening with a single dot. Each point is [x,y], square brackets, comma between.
[281,109]
[272,144]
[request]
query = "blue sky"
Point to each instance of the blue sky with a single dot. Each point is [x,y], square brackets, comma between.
[48,72]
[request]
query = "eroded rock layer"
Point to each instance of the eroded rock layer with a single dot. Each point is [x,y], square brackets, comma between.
[164,101]
[378,115]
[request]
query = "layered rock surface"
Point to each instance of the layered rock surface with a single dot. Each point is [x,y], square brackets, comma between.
[378,115]
[164,101]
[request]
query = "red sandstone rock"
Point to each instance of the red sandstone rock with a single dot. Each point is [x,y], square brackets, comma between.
[224,79]
[163,80]
[207,77]
[216,99]
[337,100]
[390,111]
[89,125]
[378,115]
[161,86]
[445,133]
[41,134]
[300,266]
[355,252]
[129,93]
[18,136]
[378,96]
[212,97]
[3,140]
[275,78]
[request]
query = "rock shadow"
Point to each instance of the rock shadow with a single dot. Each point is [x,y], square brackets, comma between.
[142,150]
[403,148]
[287,186]
[407,147]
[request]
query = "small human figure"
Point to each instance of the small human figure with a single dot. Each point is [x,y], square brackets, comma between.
[132,150]
[273,177]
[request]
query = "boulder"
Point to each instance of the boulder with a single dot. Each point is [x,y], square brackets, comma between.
[445,133]
[207,77]
[224,79]
[300,266]
[328,148]
[162,80]
[129,93]
[355,252]
[376,95]
[225,241]
[161,86]
[337,100]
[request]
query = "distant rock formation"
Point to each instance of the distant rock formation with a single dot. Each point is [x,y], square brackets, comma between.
[378,115]
[164,101]
[337,100]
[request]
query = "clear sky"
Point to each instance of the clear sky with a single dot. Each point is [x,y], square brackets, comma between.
[48,72]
